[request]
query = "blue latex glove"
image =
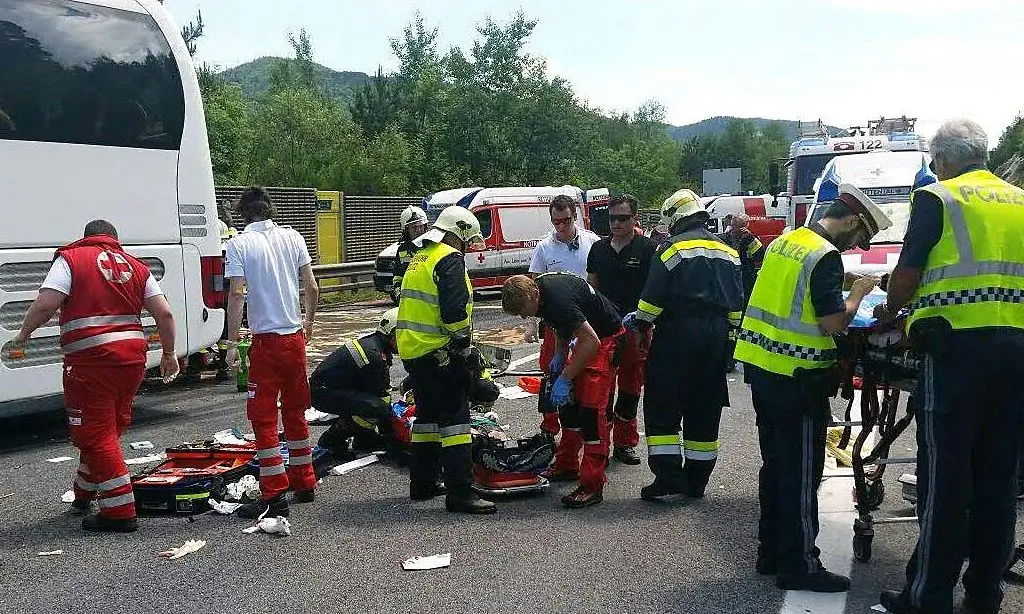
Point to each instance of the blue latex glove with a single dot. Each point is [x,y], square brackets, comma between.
[556,364]
[560,392]
[630,320]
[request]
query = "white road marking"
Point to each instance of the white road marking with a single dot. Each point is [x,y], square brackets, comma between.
[515,364]
[836,513]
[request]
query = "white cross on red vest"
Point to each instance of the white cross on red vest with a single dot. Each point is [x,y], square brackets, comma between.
[114,267]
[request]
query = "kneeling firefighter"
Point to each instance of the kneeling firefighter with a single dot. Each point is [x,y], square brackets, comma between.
[694,293]
[434,341]
[354,383]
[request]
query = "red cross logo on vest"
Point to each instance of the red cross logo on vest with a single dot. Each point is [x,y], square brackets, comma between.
[480,258]
[114,267]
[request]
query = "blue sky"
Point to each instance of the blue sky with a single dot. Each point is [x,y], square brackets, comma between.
[844,61]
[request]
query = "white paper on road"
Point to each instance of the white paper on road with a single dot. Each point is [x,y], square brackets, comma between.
[315,416]
[245,487]
[142,460]
[420,563]
[188,547]
[227,437]
[223,507]
[878,608]
[351,466]
[141,445]
[50,553]
[59,459]
[514,392]
[68,497]
[277,525]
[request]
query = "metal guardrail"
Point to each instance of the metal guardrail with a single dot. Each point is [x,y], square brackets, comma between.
[356,274]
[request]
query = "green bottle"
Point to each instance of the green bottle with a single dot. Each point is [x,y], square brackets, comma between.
[242,377]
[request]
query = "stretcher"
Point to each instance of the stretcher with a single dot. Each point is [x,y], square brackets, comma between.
[880,362]
[502,465]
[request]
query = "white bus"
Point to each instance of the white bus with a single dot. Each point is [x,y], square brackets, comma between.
[101,117]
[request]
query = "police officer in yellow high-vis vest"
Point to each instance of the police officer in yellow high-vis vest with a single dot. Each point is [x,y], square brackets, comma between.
[786,344]
[435,344]
[961,272]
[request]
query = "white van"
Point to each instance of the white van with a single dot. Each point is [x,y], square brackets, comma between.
[101,118]
[512,221]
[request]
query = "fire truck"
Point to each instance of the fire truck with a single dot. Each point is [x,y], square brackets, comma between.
[771,214]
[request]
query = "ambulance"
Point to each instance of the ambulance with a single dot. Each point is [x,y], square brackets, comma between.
[512,221]
[888,178]
[771,214]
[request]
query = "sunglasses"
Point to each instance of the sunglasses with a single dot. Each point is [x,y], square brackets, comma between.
[620,218]
[561,221]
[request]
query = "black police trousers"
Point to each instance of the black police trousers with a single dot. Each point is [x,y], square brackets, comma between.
[968,435]
[791,428]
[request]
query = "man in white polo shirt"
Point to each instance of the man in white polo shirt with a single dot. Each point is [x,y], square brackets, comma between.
[270,260]
[565,250]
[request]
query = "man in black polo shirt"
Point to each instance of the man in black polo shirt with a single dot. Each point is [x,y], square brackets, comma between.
[617,266]
[578,313]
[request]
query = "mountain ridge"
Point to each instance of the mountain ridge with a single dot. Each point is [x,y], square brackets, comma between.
[254,79]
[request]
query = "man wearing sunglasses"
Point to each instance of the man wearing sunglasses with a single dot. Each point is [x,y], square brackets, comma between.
[617,267]
[565,250]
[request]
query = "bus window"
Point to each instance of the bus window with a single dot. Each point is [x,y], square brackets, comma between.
[85,74]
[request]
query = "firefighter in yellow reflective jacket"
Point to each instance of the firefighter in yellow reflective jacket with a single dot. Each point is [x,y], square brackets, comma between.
[693,291]
[961,271]
[435,344]
[786,344]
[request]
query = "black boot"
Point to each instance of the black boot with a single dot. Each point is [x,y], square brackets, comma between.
[896,603]
[663,488]
[821,581]
[626,455]
[304,496]
[336,440]
[427,492]
[103,524]
[469,503]
[278,506]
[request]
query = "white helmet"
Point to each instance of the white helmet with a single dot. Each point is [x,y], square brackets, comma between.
[458,221]
[873,218]
[388,321]
[413,215]
[682,204]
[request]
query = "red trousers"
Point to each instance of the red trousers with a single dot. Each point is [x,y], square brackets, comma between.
[98,402]
[629,371]
[549,422]
[584,424]
[277,369]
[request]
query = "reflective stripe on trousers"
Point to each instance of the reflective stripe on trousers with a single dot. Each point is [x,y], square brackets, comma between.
[456,435]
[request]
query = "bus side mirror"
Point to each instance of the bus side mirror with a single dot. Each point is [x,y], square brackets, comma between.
[773,179]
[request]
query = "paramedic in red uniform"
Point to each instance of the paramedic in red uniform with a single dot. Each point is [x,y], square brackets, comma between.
[574,312]
[100,291]
[271,260]
[617,266]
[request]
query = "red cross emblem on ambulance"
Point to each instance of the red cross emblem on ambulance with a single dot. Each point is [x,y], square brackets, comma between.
[114,267]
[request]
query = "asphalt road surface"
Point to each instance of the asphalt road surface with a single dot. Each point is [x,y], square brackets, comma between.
[346,548]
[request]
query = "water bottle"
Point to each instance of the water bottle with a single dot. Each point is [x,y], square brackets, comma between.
[242,377]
